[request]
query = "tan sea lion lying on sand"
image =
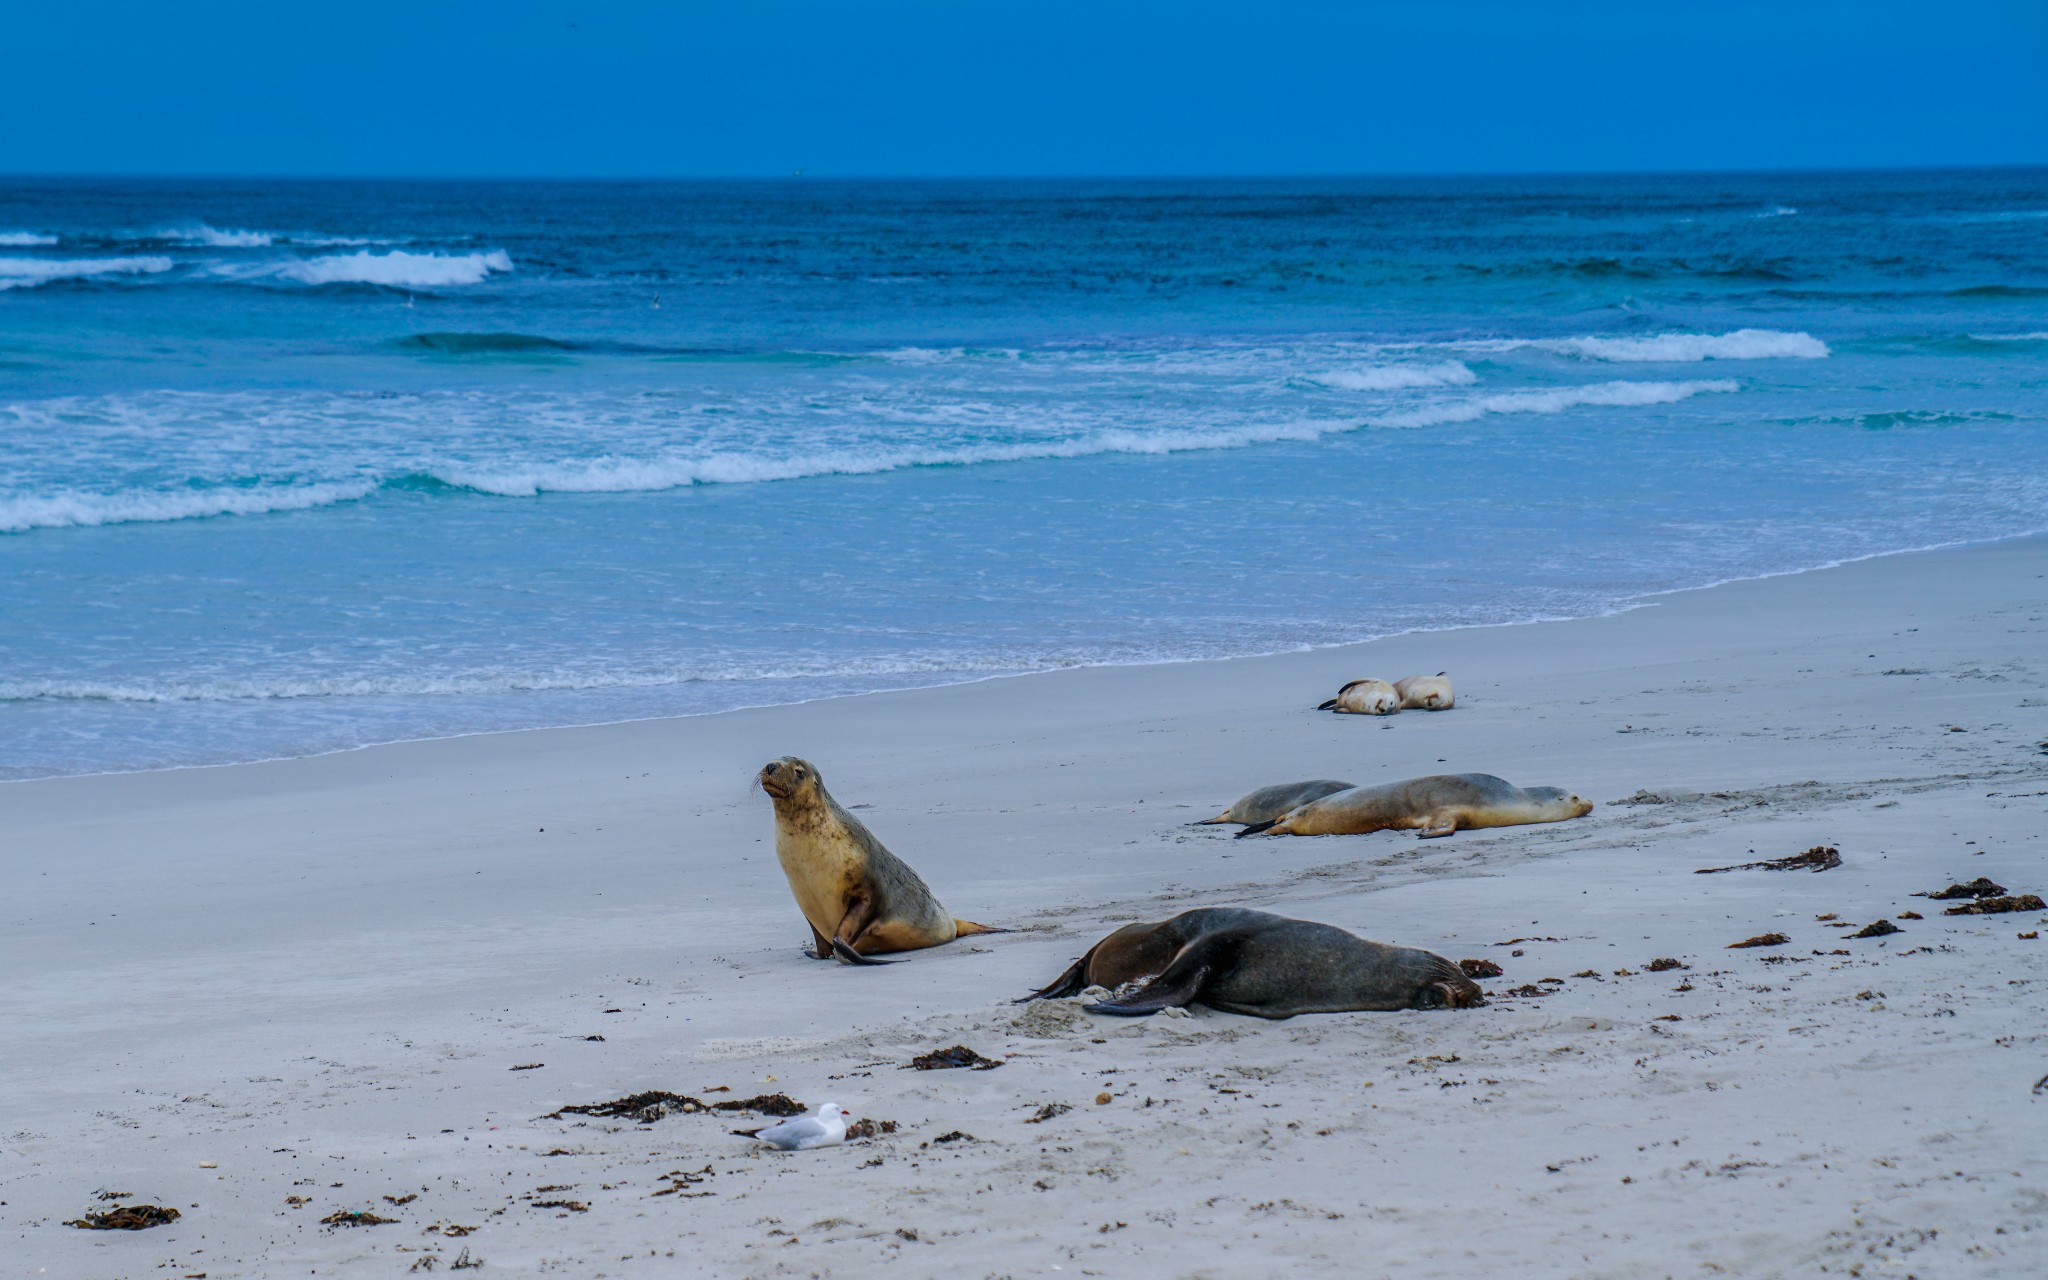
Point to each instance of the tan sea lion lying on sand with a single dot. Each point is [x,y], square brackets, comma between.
[1435,806]
[1364,698]
[1268,966]
[1270,802]
[860,899]
[1425,693]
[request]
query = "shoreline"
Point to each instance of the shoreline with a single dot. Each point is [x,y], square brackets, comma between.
[1642,600]
[335,969]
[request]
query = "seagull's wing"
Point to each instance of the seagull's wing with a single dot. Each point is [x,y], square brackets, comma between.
[791,1132]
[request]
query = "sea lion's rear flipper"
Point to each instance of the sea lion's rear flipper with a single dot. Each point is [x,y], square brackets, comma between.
[1257,827]
[1219,818]
[1178,986]
[847,955]
[967,928]
[1331,705]
[1070,983]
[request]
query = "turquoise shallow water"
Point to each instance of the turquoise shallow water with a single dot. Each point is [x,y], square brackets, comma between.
[296,467]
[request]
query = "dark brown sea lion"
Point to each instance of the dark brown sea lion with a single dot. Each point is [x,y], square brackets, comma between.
[1270,802]
[1254,962]
[860,899]
[1435,806]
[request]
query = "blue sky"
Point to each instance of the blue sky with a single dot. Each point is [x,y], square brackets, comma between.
[1106,87]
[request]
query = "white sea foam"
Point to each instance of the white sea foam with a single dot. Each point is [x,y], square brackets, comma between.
[396,268]
[1398,377]
[628,475]
[22,273]
[2010,337]
[1776,211]
[532,681]
[1555,400]
[73,509]
[217,239]
[24,239]
[1677,348]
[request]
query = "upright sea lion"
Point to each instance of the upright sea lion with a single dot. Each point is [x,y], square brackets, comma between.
[1436,806]
[1425,693]
[1364,698]
[1271,802]
[859,898]
[1243,961]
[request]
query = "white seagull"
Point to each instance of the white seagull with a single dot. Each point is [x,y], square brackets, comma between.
[826,1129]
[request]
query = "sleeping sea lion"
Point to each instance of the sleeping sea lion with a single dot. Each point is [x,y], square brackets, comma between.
[859,898]
[1243,961]
[1271,802]
[1435,806]
[1364,698]
[1424,693]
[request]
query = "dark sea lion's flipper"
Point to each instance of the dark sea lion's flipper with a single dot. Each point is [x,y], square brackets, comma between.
[1070,983]
[1331,705]
[848,955]
[1178,986]
[1256,828]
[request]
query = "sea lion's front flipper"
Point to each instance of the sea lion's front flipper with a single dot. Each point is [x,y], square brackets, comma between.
[860,913]
[1070,983]
[848,955]
[821,946]
[1438,824]
[1178,986]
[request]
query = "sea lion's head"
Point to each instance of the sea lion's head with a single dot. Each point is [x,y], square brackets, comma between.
[1568,801]
[790,779]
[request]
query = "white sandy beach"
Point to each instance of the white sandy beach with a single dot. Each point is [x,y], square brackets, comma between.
[313,978]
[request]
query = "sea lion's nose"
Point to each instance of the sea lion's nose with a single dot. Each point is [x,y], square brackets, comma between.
[771,767]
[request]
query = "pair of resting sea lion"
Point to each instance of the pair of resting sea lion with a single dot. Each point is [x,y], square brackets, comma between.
[1378,698]
[1243,961]
[861,900]
[1435,805]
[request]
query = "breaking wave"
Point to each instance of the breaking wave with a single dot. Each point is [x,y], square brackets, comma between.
[1687,348]
[76,510]
[1614,394]
[24,273]
[398,268]
[216,239]
[655,470]
[1398,377]
[24,239]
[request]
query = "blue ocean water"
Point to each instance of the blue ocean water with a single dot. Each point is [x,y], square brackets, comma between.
[289,467]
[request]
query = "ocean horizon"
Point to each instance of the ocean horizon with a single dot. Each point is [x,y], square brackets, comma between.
[295,466]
